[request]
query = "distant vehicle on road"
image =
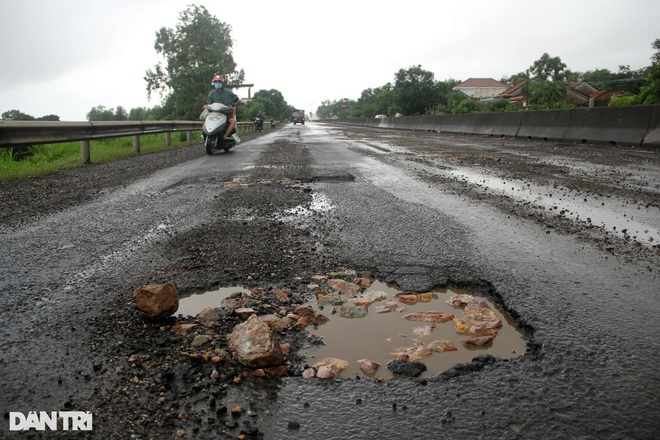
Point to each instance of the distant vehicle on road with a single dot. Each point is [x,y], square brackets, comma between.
[299,117]
[380,116]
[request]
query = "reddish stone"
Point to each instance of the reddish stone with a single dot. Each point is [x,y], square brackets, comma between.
[157,301]
[460,300]
[388,307]
[283,295]
[429,316]
[245,312]
[276,323]
[183,329]
[416,352]
[338,365]
[479,341]
[209,316]
[367,366]
[478,319]
[326,372]
[408,298]
[441,346]
[308,312]
[254,345]
[348,289]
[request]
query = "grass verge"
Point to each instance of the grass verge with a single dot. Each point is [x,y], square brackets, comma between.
[40,160]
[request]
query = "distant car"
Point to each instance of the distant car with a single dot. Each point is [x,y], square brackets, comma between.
[298,117]
[380,116]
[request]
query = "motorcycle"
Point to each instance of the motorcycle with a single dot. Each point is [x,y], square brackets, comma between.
[258,124]
[214,127]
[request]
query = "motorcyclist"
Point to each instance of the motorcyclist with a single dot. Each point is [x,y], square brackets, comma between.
[260,120]
[226,97]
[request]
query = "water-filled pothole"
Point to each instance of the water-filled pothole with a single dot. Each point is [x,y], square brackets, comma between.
[394,325]
[194,304]
[382,337]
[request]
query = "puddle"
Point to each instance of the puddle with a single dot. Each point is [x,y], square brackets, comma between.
[192,305]
[320,204]
[625,220]
[377,335]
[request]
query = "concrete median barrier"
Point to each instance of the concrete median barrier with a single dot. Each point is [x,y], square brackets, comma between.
[493,124]
[612,125]
[652,136]
[634,125]
[451,123]
[544,124]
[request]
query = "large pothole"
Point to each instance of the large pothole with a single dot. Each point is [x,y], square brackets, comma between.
[403,326]
[365,322]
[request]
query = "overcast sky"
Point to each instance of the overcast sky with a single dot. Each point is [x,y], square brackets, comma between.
[64,57]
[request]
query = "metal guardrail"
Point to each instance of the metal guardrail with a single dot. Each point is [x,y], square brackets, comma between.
[22,133]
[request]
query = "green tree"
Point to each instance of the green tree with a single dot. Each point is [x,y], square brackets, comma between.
[271,104]
[414,89]
[624,100]
[458,102]
[101,113]
[547,94]
[373,102]
[335,109]
[502,105]
[120,114]
[16,115]
[139,114]
[48,118]
[324,111]
[515,78]
[650,93]
[625,80]
[548,68]
[198,48]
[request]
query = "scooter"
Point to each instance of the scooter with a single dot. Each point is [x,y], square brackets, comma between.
[214,127]
[258,124]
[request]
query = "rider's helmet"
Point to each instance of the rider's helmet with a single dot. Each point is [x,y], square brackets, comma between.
[216,79]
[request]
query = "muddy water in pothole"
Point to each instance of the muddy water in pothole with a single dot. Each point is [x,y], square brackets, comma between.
[377,335]
[192,305]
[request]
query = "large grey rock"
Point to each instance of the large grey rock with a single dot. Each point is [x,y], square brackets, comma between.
[254,344]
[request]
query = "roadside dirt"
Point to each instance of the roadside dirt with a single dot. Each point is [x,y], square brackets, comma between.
[157,384]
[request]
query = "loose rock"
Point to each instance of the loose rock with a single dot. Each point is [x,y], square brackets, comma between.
[441,346]
[367,366]
[350,310]
[429,316]
[348,289]
[406,368]
[157,301]
[478,341]
[254,345]
[478,319]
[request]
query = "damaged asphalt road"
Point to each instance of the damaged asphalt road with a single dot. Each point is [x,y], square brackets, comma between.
[421,210]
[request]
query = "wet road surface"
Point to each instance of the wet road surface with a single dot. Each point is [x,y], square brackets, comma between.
[591,316]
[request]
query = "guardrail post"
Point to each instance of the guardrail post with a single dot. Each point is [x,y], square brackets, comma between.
[84,152]
[136,144]
[189,137]
[168,138]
